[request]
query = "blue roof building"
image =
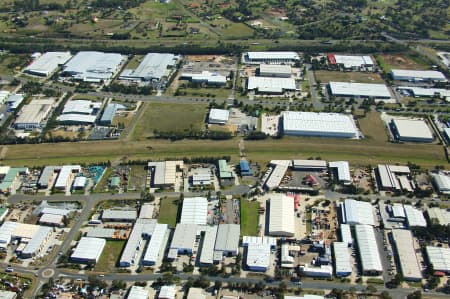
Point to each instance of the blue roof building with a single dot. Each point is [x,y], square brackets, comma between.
[244,166]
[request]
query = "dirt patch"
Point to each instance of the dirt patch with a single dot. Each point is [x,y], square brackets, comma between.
[401,61]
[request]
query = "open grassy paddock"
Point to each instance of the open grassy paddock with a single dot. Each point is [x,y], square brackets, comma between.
[249,217]
[168,211]
[110,257]
[401,61]
[327,76]
[169,118]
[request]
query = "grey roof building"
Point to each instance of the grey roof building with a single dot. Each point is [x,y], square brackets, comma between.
[227,240]
[154,66]
[119,215]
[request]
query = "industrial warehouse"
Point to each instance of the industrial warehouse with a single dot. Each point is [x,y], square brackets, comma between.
[206,77]
[47,64]
[359,90]
[80,112]
[94,67]
[270,58]
[271,85]
[411,130]
[352,62]
[273,70]
[154,67]
[417,75]
[281,216]
[33,115]
[319,124]
[218,116]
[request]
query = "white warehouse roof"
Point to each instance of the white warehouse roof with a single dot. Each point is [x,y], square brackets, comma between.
[167,292]
[205,76]
[228,238]
[65,175]
[369,90]
[442,182]
[414,216]
[156,243]
[128,215]
[271,84]
[207,253]
[343,171]
[439,257]
[184,236]
[195,210]
[93,66]
[142,227]
[88,249]
[426,92]
[275,69]
[273,55]
[277,174]
[81,107]
[258,256]
[368,249]
[404,245]
[346,235]
[318,124]
[137,292]
[343,262]
[282,217]
[412,129]
[415,75]
[358,212]
[77,118]
[154,66]
[47,63]
[218,116]
[350,61]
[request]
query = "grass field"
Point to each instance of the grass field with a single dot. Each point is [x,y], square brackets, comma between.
[327,76]
[374,129]
[249,217]
[110,256]
[168,211]
[401,61]
[169,118]
[206,92]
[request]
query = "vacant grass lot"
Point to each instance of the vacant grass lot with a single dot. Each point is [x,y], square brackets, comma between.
[137,178]
[249,217]
[374,129]
[169,118]
[327,76]
[110,256]
[168,211]
[401,61]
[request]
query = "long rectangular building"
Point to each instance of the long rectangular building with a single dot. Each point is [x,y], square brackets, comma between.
[33,115]
[163,174]
[271,85]
[439,257]
[417,75]
[47,63]
[207,253]
[343,264]
[319,124]
[404,246]
[281,216]
[88,250]
[143,228]
[156,245]
[91,66]
[359,90]
[411,130]
[357,212]
[227,241]
[270,57]
[183,239]
[368,250]
[194,210]
[153,67]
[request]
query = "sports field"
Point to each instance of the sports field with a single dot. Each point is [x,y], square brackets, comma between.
[327,76]
[169,118]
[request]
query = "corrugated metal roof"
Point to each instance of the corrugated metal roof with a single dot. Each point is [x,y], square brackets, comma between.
[343,170]
[142,227]
[439,257]
[318,124]
[88,249]
[195,210]
[207,253]
[417,75]
[47,63]
[65,174]
[409,263]
[156,243]
[414,216]
[281,218]
[137,292]
[184,236]
[129,215]
[271,84]
[228,237]
[368,248]
[343,262]
[358,212]
[359,89]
